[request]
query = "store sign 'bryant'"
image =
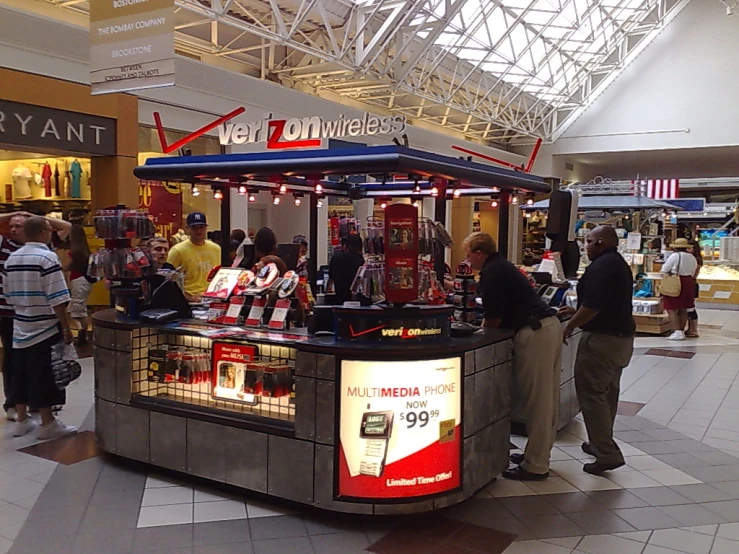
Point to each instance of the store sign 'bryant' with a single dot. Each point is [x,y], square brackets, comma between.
[40,127]
[307,132]
[400,429]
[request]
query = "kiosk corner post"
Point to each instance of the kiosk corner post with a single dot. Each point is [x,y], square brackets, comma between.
[225,226]
[504,217]
[440,215]
[313,241]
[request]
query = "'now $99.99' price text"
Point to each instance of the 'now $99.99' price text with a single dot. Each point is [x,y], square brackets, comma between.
[421,418]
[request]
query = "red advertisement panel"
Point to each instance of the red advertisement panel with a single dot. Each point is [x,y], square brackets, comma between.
[400,428]
[231,371]
[401,253]
[164,204]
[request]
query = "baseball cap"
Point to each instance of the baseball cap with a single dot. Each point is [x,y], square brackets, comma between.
[196,218]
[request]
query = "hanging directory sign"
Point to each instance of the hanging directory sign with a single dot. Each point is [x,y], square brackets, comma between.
[131,45]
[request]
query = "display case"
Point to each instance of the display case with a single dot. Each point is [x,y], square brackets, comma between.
[718,283]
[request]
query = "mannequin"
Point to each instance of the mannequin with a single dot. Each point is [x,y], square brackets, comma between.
[22,182]
[75,172]
[56,179]
[46,176]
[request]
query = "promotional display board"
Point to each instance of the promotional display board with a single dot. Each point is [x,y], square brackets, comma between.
[231,372]
[131,45]
[401,253]
[163,201]
[400,429]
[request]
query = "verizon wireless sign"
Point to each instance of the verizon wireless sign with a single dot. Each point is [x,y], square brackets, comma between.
[306,132]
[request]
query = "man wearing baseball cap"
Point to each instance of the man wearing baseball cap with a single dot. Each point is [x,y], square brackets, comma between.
[196,257]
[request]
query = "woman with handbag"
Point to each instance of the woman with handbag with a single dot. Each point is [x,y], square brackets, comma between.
[678,286]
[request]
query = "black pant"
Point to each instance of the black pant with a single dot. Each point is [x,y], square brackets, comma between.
[33,378]
[6,335]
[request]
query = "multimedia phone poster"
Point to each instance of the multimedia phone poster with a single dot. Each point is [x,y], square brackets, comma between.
[401,428]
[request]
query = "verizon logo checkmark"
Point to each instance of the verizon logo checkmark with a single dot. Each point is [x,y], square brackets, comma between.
[167,148]
[356,334]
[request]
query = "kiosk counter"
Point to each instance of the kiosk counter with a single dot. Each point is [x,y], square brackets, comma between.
[385,418]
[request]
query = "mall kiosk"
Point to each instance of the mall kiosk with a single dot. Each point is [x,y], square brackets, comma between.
[394,412]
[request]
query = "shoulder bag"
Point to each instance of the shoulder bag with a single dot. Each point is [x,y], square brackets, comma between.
[670,285]
[65,364]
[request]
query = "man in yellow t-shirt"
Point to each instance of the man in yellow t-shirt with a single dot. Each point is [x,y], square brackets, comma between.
[196,257]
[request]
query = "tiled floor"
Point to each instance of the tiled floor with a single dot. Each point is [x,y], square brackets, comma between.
[679,492]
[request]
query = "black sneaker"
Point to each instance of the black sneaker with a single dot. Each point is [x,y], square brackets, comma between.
[520,474]
[599,468]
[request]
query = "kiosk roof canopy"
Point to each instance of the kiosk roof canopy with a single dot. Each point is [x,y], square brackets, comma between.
[360,160]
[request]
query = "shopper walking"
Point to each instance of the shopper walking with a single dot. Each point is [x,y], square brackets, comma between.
[79,283]
[605,315]
[510,302]
[34,285]
[9,244]
[196,256]
[695,250]
[684,265]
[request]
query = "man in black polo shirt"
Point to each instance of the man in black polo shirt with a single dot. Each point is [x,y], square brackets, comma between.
[510,302]
[605,315]
[343,268]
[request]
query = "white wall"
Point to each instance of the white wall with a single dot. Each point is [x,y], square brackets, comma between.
[685,80]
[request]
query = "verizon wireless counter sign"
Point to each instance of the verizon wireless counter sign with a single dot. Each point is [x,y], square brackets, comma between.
[400,430]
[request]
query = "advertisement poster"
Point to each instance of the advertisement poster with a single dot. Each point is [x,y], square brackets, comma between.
[164,204]
[231,372]
[401,253]
[224,283]
[401,428]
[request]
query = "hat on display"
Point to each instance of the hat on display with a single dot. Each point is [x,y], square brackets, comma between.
[680,243]
[196,218]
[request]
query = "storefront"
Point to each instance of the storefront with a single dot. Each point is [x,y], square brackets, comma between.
[63,152]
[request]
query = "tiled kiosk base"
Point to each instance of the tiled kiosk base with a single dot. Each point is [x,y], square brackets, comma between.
[295,462]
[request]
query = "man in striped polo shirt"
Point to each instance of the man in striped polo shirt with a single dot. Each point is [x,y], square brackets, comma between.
[9,244]
[34,285]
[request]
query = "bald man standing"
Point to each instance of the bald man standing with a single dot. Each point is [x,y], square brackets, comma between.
[604,296]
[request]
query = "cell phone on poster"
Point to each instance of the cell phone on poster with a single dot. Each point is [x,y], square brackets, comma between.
[375,432]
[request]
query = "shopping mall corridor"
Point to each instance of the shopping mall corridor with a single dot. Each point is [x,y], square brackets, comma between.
[678,493]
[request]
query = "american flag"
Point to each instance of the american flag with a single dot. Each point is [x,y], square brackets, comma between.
[657,189]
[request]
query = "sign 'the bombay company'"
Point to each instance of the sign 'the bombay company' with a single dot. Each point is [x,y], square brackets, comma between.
[131,45]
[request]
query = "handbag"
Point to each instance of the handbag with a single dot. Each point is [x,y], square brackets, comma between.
[65,364]
[670,284]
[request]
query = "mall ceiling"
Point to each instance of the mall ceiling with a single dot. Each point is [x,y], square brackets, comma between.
[498,71]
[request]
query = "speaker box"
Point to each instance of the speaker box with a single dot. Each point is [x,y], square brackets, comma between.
[559,217]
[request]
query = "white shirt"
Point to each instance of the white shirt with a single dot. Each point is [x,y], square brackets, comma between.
[33,283]
[680,263]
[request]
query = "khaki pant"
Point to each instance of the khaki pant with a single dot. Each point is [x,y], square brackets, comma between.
[537,370]
[598,367]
